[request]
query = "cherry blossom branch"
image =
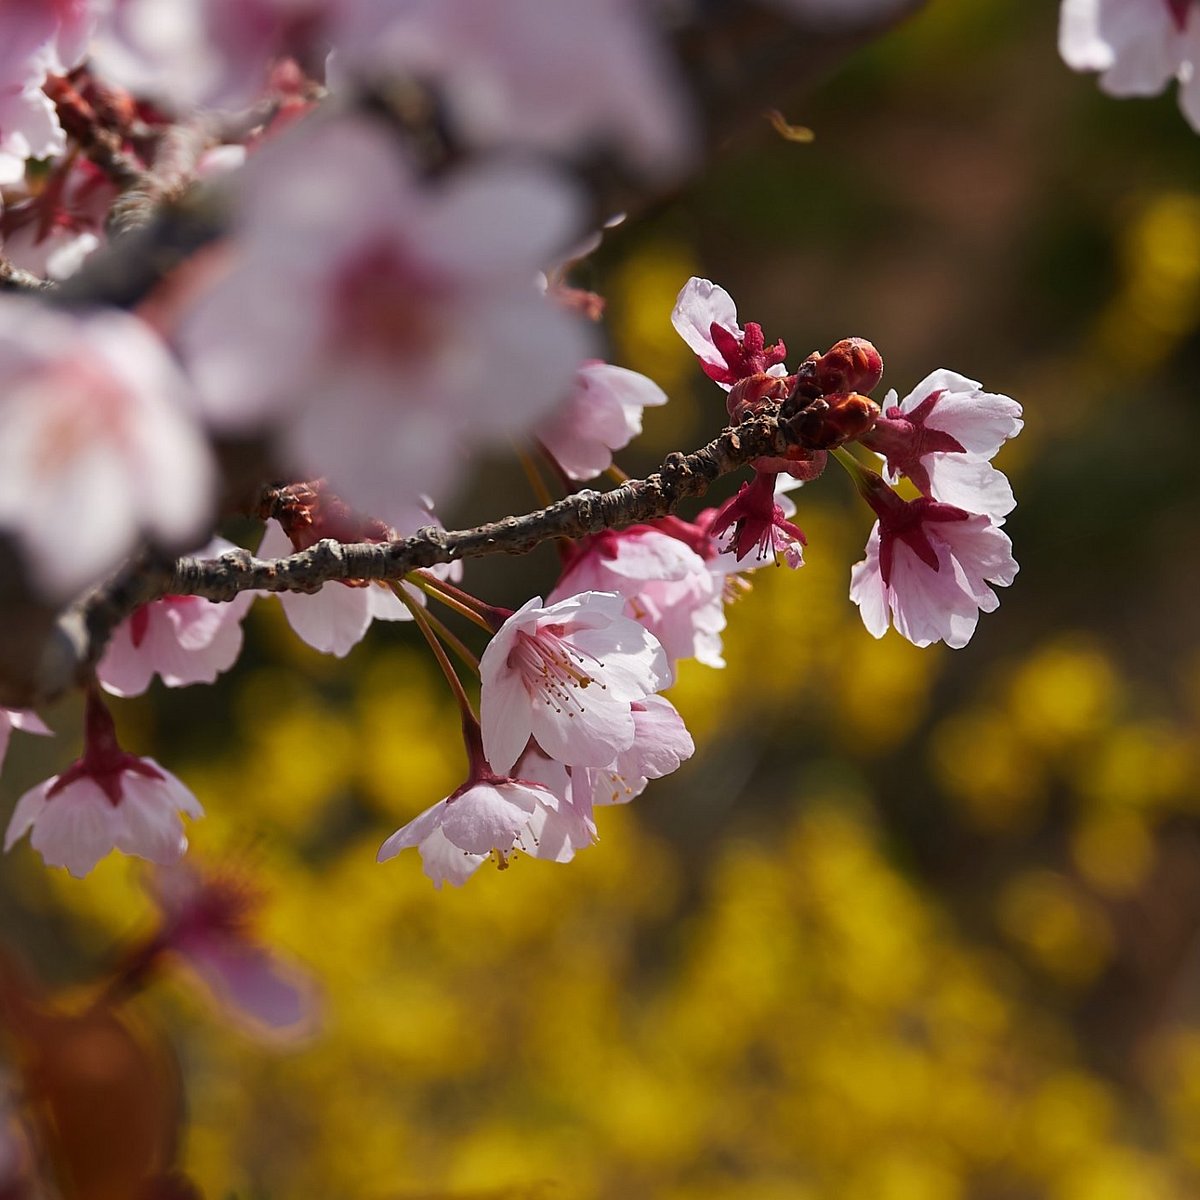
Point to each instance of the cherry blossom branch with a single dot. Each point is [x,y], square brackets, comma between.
[84,630]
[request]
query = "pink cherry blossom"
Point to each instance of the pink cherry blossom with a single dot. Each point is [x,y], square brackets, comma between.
[105,800]
[573,77]
[385,326]
[661,744]
[566,674]
[942,436]
[602,414]
[488,815]
[208,923]
[96,448]
[18,718]
[182,639]
[757,526]
[207,53]
[705,316]
[36,37]
[1137,45]
[927,569]
[667,586]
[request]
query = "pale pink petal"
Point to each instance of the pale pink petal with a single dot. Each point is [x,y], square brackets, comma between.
[488,817]
[867,588]
[700,305]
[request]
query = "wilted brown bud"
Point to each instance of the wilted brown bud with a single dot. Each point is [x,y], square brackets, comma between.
[852,365]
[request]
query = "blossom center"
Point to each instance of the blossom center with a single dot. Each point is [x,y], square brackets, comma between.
[555,668]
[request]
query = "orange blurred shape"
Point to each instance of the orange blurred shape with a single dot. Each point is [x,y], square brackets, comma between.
[103,1093]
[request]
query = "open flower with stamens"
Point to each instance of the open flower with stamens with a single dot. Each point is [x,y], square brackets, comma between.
[927,567]
[106,800]
[942,436]
[566,674]
[491,814]
[757,526]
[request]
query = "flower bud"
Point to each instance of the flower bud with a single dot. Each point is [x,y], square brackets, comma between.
[852,365]
[835,419]
[748,395]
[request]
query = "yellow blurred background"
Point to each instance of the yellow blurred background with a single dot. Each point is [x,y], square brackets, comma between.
[913,925]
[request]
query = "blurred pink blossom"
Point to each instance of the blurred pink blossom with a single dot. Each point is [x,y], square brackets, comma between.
[208,924]
[571,77]
[566,674]
[383,326]
[603,413]
[1137,45]
[22,719]
[182,639]
[96,446]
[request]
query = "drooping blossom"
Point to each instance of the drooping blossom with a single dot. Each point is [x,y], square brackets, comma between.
[384,326]
[662,743]
[573,78]
[96,447]
[603,413]
[567,674]
[18,718]
[208,926]
[942,436]
[757,526]
[184,54]
[182,639]
[106,800]
[490,814]
[1137,45]
[705,316]
[336,618]
[667,586]
[928,568]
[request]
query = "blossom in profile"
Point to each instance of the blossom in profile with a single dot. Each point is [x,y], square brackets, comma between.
[383,326]
[603,413]
[1138,46]
[668,588]
[566,674]
[661,745]
[18,718]
[182,639]
[208,920]
[492,816]
[928,568]
[705,316]
[97,449]
[576,77]
[942,436]
[757,527]
[107,800]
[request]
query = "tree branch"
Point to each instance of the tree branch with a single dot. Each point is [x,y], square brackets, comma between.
[84,630]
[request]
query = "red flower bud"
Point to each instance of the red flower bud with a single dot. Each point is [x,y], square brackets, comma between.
[852,365]
[748,395]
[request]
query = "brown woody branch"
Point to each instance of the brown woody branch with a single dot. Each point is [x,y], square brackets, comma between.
[83,631]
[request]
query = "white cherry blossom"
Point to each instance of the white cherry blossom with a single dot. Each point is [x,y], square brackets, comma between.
[567,674]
